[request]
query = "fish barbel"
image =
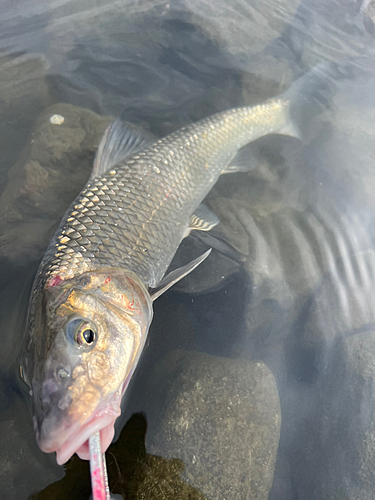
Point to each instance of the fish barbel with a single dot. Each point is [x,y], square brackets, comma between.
[91,303]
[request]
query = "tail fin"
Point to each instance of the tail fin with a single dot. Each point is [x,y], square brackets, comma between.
[310,95]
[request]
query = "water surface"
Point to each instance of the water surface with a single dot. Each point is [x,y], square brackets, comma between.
[282,311]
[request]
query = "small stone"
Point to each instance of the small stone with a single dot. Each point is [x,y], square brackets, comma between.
[57,119]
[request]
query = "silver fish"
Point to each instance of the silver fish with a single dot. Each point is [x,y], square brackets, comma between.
[91,304]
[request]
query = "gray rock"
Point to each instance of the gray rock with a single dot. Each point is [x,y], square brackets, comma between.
[155,56]
[308,249]
[132,473]
[51,171]
[302,222]
[239,28]
[222,418]
[325,370]
[242,29]
[336,434]
[23,96]
[368,13]
[266,76]
[279,242]
[326,29]
[342,304]
[361,357]
[326,384]
[340,146]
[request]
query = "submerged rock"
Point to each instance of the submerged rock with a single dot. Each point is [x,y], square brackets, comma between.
[23,95]
[132,473]
[195,39]
[332,452]
[222,419]
[360,349]
[343,303]
[327,388]
[51,171]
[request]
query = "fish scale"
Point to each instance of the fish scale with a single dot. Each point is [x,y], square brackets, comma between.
[151,197]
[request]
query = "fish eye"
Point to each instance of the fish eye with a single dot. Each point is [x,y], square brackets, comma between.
[82,332]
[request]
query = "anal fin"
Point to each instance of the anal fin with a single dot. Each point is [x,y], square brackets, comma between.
[202,220]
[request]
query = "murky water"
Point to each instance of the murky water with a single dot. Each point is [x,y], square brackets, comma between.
[257,380]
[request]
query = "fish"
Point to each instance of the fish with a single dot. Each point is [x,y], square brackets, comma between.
[91,303]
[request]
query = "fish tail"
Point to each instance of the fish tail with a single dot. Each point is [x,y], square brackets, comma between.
[309,96]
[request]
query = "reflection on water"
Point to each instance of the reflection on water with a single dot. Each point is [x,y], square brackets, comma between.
[257,381]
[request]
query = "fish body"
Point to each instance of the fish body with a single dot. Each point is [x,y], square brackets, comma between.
[91,304]
[134,216]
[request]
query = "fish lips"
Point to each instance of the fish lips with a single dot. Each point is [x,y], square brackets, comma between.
[72,437]
[103,420]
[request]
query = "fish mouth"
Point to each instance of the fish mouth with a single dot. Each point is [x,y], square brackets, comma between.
[77,440]
[74,438]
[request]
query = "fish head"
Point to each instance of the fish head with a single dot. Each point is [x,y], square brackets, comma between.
[87,334]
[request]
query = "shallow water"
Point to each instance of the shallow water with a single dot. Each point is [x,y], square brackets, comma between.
[259,369]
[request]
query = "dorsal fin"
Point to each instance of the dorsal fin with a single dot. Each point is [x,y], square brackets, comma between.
[120,141]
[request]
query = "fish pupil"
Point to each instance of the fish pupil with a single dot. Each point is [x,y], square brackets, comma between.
[89,336]
[81,332]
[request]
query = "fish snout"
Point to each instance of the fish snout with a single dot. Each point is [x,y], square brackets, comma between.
[42,428]
[50,403]
[48,428]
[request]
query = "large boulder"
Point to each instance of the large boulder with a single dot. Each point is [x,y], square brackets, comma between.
[221,417]
[23,96]
[51,171]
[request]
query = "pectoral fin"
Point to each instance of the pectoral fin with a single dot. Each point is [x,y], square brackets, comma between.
[120,141]
[177,275]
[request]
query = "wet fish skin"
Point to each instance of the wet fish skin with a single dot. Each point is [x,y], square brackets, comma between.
[135,215]
[115,241]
